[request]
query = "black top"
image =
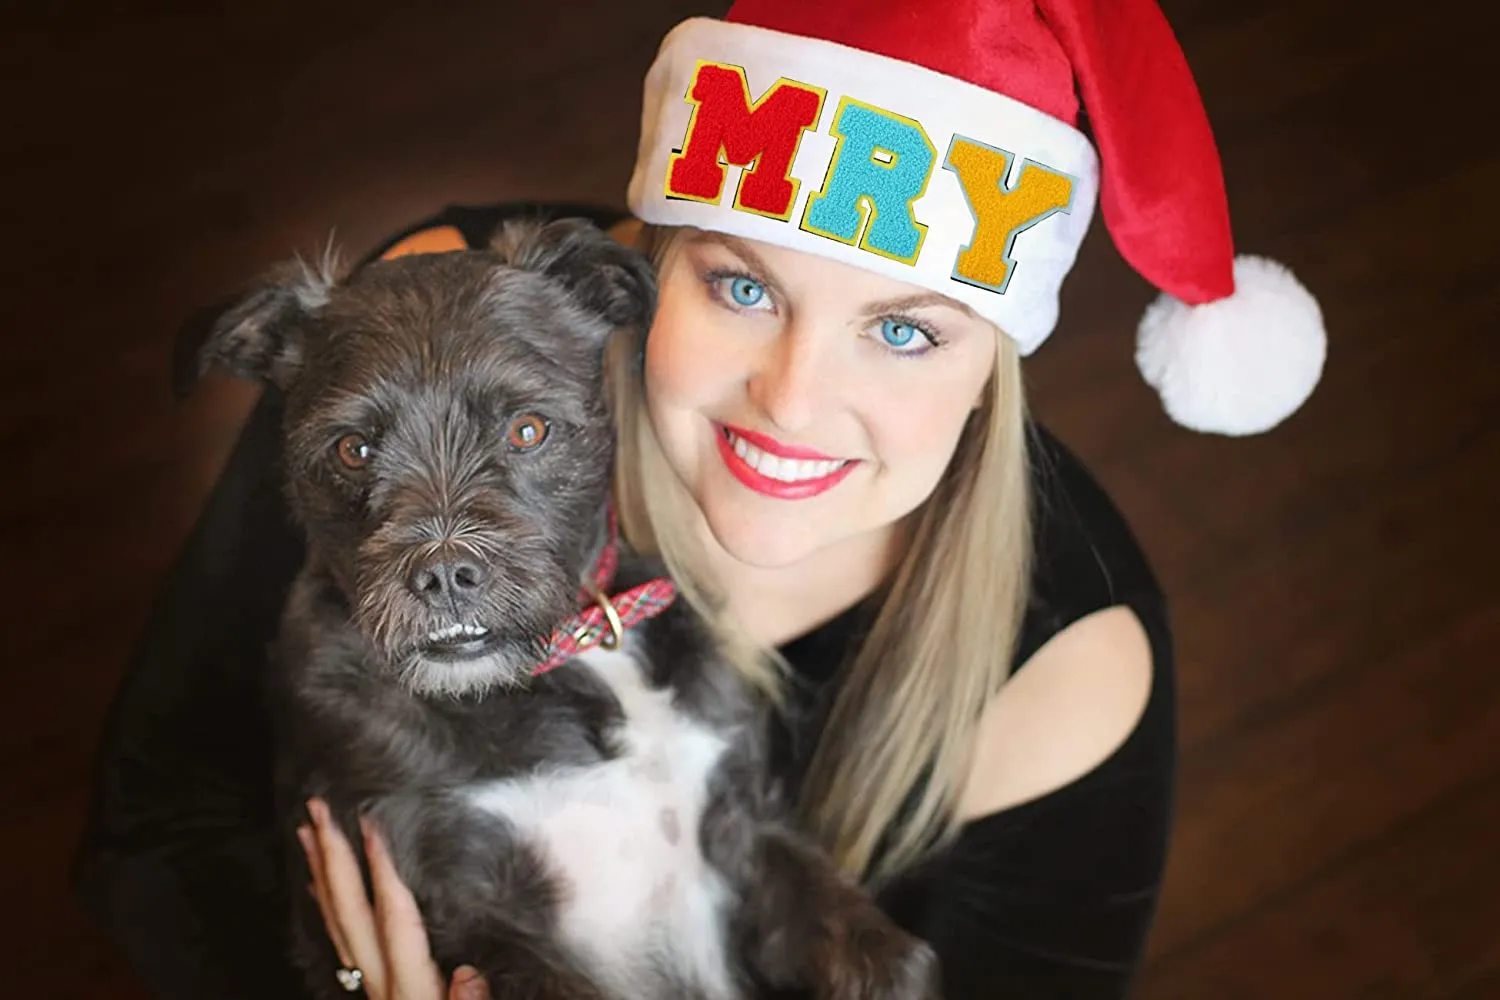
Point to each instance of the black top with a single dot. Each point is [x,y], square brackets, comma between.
[1050,899]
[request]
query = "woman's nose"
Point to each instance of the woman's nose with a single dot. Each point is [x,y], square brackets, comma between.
[792,382]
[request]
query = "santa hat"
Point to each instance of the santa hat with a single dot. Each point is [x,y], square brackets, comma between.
[937,143]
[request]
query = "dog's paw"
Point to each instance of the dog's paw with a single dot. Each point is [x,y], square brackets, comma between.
[922,973]
[883,962]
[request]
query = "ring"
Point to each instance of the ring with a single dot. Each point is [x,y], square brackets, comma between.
[350,979]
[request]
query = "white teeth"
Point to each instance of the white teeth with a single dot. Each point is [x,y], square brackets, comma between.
[785,470]
[454,631]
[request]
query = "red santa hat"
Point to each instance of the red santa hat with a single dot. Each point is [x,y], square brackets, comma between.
[938,143]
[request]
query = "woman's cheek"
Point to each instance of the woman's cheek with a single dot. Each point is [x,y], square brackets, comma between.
[675,373]
[922,433]
[689,360]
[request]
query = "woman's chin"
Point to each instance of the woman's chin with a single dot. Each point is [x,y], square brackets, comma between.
[758,542]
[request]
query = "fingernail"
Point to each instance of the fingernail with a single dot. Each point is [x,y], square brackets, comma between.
[371,835]
[318,810]
[469,985]
[304,836]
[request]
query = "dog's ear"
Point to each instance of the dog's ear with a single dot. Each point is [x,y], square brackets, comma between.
[261,336]
[602,273]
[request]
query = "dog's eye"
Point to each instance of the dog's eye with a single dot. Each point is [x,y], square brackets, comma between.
[354,451]
[526,432]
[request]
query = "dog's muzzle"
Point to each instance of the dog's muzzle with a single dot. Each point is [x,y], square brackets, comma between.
[452,585]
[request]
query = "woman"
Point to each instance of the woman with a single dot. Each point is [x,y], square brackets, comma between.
[888,593]
[824,433]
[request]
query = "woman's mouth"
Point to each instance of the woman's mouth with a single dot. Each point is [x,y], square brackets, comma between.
[777,470]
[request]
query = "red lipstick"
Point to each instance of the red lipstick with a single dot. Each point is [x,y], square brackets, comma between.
[779,488]
[771,446]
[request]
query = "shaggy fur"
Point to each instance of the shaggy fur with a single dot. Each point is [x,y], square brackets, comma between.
[604,830]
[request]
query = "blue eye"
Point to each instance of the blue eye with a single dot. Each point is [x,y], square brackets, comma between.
[746,291]
[898,334]
[739,290]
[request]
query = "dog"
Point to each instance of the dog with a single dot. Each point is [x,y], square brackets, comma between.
[601,830]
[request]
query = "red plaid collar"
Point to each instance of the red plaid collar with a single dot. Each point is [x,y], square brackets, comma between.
[602,620]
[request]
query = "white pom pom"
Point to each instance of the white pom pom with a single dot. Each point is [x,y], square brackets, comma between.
[1240,365]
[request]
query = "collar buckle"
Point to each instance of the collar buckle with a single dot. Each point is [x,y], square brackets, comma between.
[615,637]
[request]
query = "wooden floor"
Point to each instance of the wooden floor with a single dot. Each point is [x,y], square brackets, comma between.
[1334,583]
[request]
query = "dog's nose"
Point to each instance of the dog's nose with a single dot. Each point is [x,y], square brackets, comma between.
[440,581]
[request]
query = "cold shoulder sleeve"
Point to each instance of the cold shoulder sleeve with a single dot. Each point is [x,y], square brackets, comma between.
[1054,898]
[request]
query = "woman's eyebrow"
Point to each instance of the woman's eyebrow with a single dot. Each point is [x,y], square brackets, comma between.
[742,250]
[919,300]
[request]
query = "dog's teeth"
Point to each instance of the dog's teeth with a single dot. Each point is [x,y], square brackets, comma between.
[454,631]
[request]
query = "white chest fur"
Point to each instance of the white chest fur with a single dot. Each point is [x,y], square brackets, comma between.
[622,838]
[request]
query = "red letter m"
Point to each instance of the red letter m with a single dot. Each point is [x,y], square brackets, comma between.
[763,136]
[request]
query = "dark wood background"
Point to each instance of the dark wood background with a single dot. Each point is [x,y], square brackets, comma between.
[1334,582]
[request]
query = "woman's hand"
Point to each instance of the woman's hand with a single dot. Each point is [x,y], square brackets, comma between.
[386,942]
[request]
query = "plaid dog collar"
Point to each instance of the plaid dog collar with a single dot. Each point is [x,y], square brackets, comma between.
[604,619]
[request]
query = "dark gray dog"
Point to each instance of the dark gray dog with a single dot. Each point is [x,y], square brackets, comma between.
[600,830]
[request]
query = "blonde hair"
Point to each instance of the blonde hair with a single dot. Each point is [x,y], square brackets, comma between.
[883,784]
